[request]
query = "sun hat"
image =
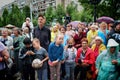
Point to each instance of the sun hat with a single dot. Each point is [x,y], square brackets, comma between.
[98,38]
[112,43]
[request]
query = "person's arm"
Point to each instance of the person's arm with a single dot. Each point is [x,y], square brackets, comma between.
[61,54]
[46,56]
[49,33]
[22,54]
[50,52]
[20,42]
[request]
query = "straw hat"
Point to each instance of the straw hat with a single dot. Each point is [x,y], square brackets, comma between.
[112,43]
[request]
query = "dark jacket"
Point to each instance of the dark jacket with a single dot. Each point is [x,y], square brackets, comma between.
[44,35]
[26,59]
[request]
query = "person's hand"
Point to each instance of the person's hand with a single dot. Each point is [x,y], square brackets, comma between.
[1,59]
[73,49]
[55,62]
[62,61]
[114,62]
[66,47]
[27,53]
[50,63]
[5,58]
[77,45]
[12,48]
[96,72]
[85,64]
[31,52]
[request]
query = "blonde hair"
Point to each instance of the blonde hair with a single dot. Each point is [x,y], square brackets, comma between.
[103,24]
[58,36]
[36,40]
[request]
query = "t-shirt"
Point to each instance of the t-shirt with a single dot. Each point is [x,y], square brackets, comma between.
[41,54]
[2,64]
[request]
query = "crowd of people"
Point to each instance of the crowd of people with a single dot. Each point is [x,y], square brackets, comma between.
[87,52]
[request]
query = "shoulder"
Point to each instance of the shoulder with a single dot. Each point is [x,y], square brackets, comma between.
[43,49]
[104,52]
[47,29]
[10,38]
[90,50]
[93,46]
[52,44]
[79,49]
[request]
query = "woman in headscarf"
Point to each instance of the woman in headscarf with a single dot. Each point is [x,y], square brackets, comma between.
[92,33]
[107,62]
[98,46]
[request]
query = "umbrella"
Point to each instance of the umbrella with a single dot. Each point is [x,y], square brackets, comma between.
[9,26]
[105,19]
[74,23]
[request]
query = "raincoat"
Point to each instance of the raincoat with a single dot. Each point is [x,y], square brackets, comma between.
[107,70]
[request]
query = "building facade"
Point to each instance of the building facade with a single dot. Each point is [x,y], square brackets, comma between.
[40,6]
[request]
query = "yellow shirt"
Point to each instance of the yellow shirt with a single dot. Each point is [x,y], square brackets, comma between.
[91,36]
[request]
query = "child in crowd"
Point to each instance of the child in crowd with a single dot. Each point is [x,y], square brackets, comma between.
[70,54]
[27,55]
[41,54]
[55,52]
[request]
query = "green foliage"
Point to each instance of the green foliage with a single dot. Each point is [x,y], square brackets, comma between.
[35,22]
[109,8]
[26,11]
[16,17]
[50,14]
[1,24]
[5,17]
[60,13]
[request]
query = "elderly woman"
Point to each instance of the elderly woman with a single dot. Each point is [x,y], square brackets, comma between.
[7,40]
[17,44]
[98,46]
[85,61]
[108,61]
[103,32]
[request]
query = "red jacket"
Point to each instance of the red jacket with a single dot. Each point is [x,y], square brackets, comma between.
[89,57]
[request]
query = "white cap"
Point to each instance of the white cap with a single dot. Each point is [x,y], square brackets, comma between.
[112,42]
[98,38]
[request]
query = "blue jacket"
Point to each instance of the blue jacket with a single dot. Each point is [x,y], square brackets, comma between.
[55,52]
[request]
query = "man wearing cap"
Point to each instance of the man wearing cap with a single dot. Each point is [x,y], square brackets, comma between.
[108,61]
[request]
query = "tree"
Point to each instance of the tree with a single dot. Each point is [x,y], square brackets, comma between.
[109,8]
[60,13]
[26,11]
[50,15]
[16,17]
[5,17]
[1,24]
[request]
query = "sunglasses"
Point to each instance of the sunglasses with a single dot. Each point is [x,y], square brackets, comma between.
[113,47]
